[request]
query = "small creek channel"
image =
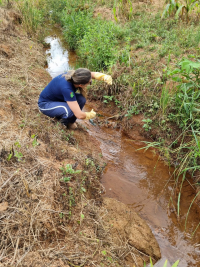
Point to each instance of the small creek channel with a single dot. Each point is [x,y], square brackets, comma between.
[139,178]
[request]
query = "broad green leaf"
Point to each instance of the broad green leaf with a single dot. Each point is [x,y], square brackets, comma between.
[178,11]
[165,11]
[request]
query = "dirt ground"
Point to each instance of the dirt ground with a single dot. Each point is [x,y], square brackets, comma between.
[50,216]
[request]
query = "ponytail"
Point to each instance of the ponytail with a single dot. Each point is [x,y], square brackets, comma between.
[79,76]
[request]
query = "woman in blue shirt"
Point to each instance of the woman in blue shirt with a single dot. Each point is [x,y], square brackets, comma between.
[60,100]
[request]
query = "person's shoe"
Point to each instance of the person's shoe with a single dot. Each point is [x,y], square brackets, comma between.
[72,126]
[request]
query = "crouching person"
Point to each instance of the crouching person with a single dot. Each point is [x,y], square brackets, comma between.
[60,100]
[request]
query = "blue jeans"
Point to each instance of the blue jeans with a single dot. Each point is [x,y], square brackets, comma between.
[61,110]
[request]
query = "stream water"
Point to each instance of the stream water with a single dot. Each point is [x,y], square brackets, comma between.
[141,180]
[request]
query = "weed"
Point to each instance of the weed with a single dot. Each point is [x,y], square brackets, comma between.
[176,8]
[68,169]
[32,15]
[61,215]
[165,99]
[104,252]
[77,24]
[15,153]
[71,200]
[132,110]
[187,95]
[35,142]
[103,55]
[108,99]
[147,126]
[89,162]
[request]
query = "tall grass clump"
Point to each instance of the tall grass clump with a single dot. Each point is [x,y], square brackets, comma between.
[180,8]
[99,47]
[187,96]
[55,8]
[32,15]
[96,41]
[75,24]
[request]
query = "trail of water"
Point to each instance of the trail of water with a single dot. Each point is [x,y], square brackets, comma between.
[141,180]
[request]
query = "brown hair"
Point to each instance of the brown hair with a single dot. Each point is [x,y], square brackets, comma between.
[79,76]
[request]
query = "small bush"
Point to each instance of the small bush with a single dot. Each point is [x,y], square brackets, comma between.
[105,53]
[75,26]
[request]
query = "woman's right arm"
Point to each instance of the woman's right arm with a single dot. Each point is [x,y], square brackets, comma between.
[74,106]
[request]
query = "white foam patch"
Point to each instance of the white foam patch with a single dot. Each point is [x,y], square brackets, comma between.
[57,57]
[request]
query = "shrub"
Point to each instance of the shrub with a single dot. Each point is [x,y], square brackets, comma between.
[75,25]
[105,53]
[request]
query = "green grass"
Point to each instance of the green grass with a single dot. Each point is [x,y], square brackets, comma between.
[32,15]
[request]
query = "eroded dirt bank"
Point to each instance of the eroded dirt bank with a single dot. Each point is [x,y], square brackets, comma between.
[45,219]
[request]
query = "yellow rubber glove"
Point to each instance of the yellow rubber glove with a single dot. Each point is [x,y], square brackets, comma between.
[103,77]
[90,115]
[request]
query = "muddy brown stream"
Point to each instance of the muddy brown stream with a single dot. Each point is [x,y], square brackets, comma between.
[141,180]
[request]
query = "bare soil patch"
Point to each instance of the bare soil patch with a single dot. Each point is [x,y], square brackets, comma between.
[105,13]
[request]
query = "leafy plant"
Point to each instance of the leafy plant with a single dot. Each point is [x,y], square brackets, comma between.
[176,8]
[187,95]
[55,8]
[171,8]
[15,153]
[147,126]
[104,54]
[124,7]
[35,142]
[75,25]
[89,162]
[69,170]
[132,110]
[108,99]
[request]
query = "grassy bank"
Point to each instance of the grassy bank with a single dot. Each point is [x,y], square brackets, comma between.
[154,62]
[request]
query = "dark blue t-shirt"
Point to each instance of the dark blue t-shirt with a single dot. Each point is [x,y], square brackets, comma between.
[58,90]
